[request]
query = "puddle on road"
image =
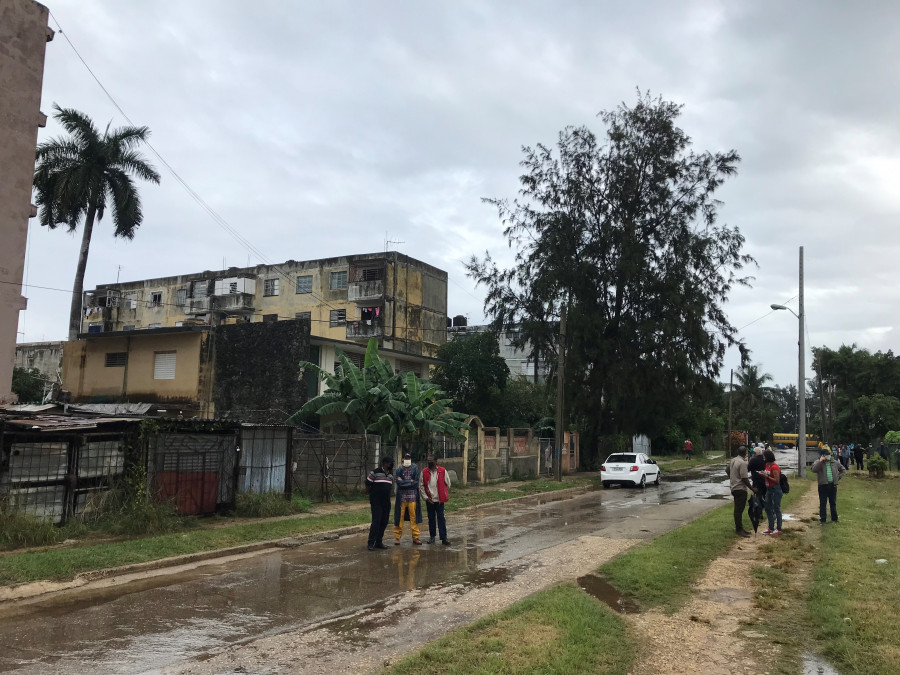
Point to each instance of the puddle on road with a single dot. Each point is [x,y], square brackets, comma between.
[601,589]
[813,664]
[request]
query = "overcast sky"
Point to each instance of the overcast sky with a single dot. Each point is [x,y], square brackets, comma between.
[320,129]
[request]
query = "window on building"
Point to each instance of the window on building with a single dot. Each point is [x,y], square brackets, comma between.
[303,316]
[164,365]
[404,366]
[358,360]
[155,325]
[370,316]
[156,299]
[270,287]
[270,318]
[304,284]
[116,359]
[372,274]
[338,280]
[128,326]
[337,317]
[232,287]
[179,323]
[95,327]
[181,297]
[200,289]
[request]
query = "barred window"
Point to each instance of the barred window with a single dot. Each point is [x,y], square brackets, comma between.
[116,359]
[337,317]
[303,316]
[181,297]
[372,274]
[304,284]
[270,287]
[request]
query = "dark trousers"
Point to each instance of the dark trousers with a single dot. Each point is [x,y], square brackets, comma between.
[859,461]
[740,503]
[381,513]
[436,512]
[828,493]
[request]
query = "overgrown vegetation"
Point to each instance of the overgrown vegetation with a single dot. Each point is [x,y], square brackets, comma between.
[560,630]
[269,504]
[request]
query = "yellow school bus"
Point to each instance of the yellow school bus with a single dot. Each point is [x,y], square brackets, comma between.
[790,440]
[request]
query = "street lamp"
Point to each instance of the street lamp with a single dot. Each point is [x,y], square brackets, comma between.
[801,380]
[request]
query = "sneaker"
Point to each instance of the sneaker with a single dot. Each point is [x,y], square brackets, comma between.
[430,540]
[371,547]
[396,542]
[380,545]
[445,542]
[768,531]
[777,532]
[742,533]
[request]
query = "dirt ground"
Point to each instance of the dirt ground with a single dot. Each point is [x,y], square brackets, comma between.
[713,633]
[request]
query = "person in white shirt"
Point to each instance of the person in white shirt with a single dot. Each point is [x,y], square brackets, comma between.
[436,486]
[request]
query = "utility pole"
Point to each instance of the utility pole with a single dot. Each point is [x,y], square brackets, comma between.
[560,389]
[801,384]
[728,452]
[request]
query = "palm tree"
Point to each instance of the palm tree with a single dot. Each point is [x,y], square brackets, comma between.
[752,393]
[80,175]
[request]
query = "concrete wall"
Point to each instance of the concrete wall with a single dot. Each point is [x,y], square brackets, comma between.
[23,41]
[90,380]
[45,356]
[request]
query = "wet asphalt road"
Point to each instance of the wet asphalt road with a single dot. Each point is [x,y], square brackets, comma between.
[159,622]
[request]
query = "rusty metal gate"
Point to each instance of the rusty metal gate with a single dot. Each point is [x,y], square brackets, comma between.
[193,471]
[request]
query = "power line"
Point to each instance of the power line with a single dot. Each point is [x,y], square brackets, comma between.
[218,219]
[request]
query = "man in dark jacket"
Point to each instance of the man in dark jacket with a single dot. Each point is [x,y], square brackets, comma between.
[380,482]
[755,466]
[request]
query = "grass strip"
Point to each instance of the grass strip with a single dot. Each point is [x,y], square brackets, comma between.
[560,630]
[853,597]
[660,572]
[62,564]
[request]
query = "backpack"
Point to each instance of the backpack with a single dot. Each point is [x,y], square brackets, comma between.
[785,486]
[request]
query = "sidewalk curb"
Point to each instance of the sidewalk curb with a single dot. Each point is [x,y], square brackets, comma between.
[34,590]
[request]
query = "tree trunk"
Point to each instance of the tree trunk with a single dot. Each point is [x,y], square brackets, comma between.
[75,312]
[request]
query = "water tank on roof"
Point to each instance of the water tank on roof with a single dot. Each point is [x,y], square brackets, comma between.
[449,322]
[460,320]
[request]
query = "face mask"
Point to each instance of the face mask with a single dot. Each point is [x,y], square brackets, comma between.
[407,462]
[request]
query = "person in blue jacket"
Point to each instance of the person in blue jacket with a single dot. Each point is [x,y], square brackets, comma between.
[406,506]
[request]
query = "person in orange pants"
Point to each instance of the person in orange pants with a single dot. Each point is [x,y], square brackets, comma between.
[406,505]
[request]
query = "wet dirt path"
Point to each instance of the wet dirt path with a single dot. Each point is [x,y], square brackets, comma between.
[328,600]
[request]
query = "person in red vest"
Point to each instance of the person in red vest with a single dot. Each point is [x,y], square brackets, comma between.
[436,485]
[688,449]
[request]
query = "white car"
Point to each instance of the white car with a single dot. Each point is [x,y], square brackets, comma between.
[629,468]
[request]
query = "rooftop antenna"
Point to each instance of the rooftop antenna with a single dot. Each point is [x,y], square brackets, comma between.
[388,242]
[118,272]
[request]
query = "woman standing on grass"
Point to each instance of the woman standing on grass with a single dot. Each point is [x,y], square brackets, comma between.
[772,473]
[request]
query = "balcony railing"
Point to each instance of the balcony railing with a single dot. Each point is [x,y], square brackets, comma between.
[365,290]
[234,303]
[363,330]
[197,306]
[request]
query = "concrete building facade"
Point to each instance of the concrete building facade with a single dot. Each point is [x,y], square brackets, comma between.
[519,361]
[390,296]
[24,35]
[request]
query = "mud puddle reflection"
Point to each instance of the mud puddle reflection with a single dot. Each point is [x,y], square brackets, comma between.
[605,592]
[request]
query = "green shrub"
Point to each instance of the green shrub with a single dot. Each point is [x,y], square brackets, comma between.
[269,505]
[19,529]
[877,466]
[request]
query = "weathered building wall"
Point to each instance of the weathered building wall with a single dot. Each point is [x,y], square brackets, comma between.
[257,372]
[45,356]
[23,42]
[92,377]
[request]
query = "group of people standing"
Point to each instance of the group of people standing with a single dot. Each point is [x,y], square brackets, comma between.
[407,485]
[761,475]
